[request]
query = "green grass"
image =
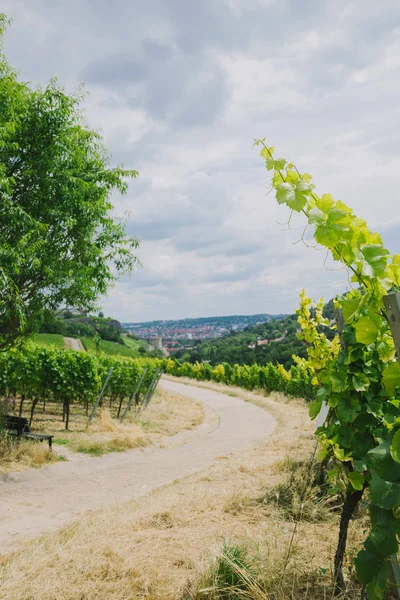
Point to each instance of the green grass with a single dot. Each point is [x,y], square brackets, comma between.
[110,348]
[130,349]
[49,339]
[134,344]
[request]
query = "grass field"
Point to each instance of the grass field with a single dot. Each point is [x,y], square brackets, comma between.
[49,340]
[133,344]
[112,348]
[130,348]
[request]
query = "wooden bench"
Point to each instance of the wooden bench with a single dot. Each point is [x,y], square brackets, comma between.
[19,427]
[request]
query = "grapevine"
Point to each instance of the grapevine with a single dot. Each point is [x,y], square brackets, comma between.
[359,380]
[69,377]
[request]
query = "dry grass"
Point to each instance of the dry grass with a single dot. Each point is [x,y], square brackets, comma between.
[168,545]
[166,415]
[20,454]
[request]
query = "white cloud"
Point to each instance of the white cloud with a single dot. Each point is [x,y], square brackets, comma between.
[180,93]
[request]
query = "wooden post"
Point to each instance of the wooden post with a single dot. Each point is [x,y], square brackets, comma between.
[137,389]
[152,388]
[103,389]
[392,305]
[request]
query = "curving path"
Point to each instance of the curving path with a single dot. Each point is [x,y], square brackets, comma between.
[42,499]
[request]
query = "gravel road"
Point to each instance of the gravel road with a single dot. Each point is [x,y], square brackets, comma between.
[39,500]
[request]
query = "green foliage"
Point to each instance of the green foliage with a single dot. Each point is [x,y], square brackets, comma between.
[234,574]
[297,381]
[360,381]
[59,241]
[110,348]
[242,347]
[49,340]
[68,376]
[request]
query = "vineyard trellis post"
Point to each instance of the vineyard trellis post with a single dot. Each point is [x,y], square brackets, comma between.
[133,395]
[151,388]
[103,389]
[392,305]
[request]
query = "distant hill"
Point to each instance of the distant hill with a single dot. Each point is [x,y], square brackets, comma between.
[199,328]
[271,341]
[274,340]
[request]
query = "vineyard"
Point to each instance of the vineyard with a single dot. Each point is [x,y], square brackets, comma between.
[70,378]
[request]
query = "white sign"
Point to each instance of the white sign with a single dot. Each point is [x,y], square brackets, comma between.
[323,413]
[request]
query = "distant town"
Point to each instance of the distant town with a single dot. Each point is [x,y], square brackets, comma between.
[171,336]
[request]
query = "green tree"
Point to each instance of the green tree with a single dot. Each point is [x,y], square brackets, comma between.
[59,243]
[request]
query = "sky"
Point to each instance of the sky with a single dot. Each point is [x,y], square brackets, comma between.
[180,89]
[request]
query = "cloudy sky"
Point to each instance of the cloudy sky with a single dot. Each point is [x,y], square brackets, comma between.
[180,89]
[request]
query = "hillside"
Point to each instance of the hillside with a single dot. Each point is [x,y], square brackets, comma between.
[271,341]
[197,328]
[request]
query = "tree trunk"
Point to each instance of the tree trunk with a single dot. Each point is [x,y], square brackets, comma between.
[66,414]
[63,413]
[352,499]
[34,402]
[120,406]
[21,404]
[137,399]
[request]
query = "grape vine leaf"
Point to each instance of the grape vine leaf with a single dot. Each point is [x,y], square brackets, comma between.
[369,563]
[285,193]
[384,529]
[375,256]
[360,382]
[395,447]
[314,408]
[391,377]
[356,480]
[385,494]
[381,460]
[366,331]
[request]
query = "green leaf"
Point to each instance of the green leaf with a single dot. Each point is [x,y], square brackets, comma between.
[391,378]
[350,307]
[322,394]
[366,331]
[347,409]
[337,214]
[360,382]
[339,381]
[395,447]
[369,563]
[384,530]
[376,257]
[280,164]
[380,460]
[315,215]
[356,480]
[325,203]
[340,454]
[376,589]
[385,494]
[314,409]
[325,236]
[285,193]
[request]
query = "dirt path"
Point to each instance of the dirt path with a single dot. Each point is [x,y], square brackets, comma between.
[73,344]
[38,500]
